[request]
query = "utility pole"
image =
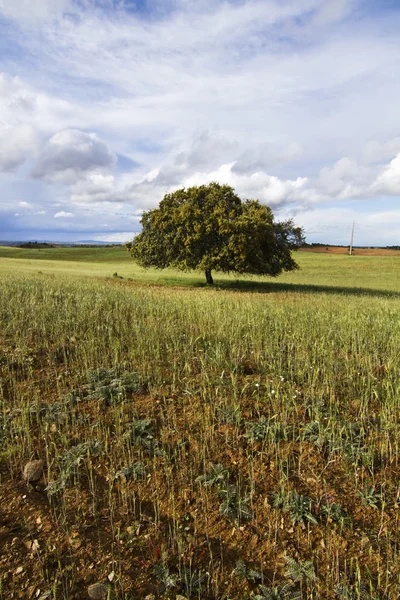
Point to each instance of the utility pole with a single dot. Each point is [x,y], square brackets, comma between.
[352,240]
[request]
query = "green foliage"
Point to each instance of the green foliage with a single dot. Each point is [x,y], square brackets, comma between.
[163,574]
[299,507]
[210,228]
[267,430]
[72,458]
[299,571]
[335,512]
[234,505]
[243,572]
[140,433]
[107,386]
[284,591]
[315,432]
[132,471]
[372,498]
[70,462]
[357,591]
[216,475]
[193,581]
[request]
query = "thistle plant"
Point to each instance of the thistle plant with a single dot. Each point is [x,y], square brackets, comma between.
[301,508]
[140,432]
[70,462]
[132,471]
[216,475]
[234,505]
[299,571]
[283,591]
[357,591]
[335,512]
[243,572]
[164,576]
[267,430]
[371,498]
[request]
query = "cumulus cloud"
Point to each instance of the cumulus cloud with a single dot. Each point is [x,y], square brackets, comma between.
[388,182]
[266,156]
[347,179]
[23,105]
[95,187]
[70,154]
[17,142]
[205,149]
[267,188]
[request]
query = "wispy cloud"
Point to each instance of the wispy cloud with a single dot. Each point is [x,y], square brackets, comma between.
[63,215]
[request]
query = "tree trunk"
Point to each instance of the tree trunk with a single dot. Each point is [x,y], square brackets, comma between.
[209,279]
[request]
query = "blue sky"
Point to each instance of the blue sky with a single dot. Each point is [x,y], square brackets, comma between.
[106,105]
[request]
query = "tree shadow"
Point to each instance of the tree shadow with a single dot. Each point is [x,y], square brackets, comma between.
[269,287]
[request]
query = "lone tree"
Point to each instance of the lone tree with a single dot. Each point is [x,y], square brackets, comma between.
[209,228]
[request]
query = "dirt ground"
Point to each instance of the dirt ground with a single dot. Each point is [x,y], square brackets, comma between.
[356,251]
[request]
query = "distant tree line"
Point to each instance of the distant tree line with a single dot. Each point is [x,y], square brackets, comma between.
[36,245]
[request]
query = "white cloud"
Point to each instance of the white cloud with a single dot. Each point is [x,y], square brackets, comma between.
[267,188]
[70,154]
[62,215]
[388,182]
[334,226]
[380,152]
[95,187]
[17,142]
[347,179]
[331,12]
[281,99]
[123,237]
[46,113]
[26,10]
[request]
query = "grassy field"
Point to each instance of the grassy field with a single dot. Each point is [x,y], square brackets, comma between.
[330,273]
[230,443]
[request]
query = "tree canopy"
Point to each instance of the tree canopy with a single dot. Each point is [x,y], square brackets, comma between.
[209,227]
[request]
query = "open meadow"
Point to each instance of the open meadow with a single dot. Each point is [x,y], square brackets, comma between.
[235,442]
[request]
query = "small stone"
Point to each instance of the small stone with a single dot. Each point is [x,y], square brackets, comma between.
[75,543]
[179,597]
[33,470]
[18,571]
[32,546]
[98,591]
